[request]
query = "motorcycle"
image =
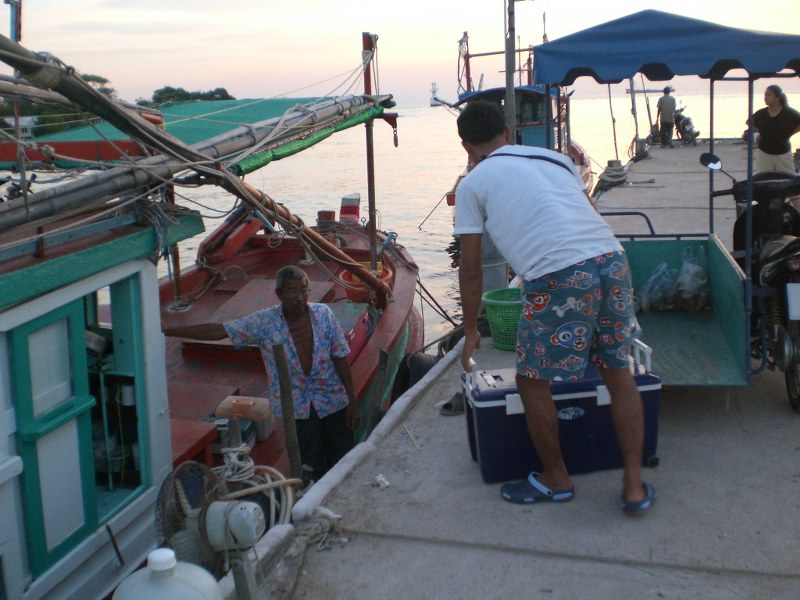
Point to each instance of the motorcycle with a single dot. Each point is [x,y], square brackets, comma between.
[775,268]
[684,128]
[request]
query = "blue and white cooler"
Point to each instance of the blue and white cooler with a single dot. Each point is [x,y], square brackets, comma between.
[498,433]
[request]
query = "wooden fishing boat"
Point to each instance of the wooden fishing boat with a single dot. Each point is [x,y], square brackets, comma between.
[98,407]
[234,276]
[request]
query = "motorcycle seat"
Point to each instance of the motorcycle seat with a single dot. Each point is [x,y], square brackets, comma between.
[779,248]
[768,185]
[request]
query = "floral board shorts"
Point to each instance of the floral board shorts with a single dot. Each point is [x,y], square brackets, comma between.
[581,313]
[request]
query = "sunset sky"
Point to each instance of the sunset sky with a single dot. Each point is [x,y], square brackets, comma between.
[263,48]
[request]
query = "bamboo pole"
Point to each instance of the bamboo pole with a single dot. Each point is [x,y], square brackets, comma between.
[287,405]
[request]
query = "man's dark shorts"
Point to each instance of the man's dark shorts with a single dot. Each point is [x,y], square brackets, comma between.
[581,313]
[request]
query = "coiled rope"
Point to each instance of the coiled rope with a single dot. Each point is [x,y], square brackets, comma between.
[240,471]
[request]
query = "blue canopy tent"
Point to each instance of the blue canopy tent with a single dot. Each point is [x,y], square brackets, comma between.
[662,45]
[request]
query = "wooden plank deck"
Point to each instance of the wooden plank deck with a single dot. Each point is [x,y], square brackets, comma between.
[671,187]
[258,294]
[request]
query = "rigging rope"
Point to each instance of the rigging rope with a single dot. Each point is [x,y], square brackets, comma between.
[54,73]
[240,471]
[613,123]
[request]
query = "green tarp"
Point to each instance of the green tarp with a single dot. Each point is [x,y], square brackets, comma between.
[191,122]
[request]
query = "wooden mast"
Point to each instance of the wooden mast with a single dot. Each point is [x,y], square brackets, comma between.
[368,45]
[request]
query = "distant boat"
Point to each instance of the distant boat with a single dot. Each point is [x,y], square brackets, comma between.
[531,130]
[434,90]
[530,110]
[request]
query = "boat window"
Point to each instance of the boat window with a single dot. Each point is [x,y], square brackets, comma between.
[52,406]
[113,347]
[531,109]
[75,386]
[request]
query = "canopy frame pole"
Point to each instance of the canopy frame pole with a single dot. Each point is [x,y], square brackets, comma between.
[748,255]
[711,149]
[511,101]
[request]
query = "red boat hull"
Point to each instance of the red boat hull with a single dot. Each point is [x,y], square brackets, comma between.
[238,279]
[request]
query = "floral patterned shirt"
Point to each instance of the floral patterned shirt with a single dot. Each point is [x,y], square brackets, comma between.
[322,387]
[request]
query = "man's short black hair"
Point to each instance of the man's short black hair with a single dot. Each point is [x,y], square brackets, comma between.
[480,122]
[289,272]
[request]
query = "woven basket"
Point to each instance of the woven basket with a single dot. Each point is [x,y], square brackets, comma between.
[503,310]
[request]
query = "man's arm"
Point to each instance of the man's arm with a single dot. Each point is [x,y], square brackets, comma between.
[342,367]
[202,331]
[470,283]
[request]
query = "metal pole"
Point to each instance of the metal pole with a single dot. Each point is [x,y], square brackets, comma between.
[748,254]
[569,126]
[548,116]
[613,123]
[511,108]
[16,35]
[711,150]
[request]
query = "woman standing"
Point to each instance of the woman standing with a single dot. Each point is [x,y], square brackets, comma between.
[775,125]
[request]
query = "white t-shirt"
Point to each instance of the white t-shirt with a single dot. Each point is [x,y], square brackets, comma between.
[536,212]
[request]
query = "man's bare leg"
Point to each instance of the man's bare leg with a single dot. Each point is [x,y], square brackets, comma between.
[542,420]
[627,415]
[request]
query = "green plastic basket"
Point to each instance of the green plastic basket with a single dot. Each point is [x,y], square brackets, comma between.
[503,310]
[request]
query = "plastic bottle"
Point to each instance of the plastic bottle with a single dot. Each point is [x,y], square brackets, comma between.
[165,577]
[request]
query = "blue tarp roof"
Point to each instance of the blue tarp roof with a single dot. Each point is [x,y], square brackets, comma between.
[662,45]
[501,92]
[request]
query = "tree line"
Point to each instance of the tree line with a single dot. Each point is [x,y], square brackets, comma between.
[51,118]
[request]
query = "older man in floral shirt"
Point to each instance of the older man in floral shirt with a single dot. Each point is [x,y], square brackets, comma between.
[325,406]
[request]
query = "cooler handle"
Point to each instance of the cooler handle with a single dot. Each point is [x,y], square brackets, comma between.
[469,378]
[241,402]
[469,381]
[638,347]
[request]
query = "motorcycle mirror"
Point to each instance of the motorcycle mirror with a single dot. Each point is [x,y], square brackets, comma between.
[712,161]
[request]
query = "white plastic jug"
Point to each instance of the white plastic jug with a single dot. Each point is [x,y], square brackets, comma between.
[165,577]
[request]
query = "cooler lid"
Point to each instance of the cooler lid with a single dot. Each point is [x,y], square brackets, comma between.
[495,387]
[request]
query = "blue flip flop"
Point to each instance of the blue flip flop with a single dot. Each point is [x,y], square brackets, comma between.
[532,491]
[637,508]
